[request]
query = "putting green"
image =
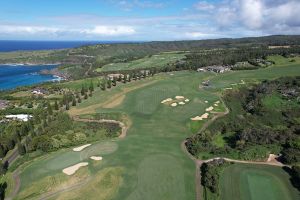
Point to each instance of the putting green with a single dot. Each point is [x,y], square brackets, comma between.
[256,182]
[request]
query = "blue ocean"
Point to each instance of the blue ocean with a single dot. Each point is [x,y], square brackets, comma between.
[12,76]
[14,45]
[15,76]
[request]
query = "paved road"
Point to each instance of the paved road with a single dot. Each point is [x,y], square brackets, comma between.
[13,156]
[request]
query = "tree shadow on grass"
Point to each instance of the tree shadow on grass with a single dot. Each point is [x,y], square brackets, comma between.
[293,178]
[3,187]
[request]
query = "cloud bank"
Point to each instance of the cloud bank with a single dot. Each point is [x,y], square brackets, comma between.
[203,19]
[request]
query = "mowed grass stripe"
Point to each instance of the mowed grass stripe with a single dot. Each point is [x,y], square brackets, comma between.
[256,182]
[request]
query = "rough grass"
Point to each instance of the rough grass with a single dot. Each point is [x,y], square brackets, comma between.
[107,97]
[77,85]
[53,183]
[256,182]
[218,140]
[103,186]
[8,179]
[158,61]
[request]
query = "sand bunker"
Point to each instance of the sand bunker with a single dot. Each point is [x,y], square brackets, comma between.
[205,101]
[217,102]
[81,147]
[242,82]
[179,100]
[216,105]
[174,104]
[167,100]
[228,88]
[197,118]
[233,84]
[209,109]
[179,97]
[98,158]
[71,170]
[204,116]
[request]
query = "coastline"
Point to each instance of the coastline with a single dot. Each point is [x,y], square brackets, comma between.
[29,64]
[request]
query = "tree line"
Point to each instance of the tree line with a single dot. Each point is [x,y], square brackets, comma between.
[254,127]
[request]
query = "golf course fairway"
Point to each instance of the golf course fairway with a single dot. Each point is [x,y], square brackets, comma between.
[148,163]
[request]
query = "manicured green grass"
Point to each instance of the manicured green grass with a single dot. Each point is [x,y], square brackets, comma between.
[77,85]
[8,179]
[256,182]
[54,163]
[154,165]
[280,60]
[158,61]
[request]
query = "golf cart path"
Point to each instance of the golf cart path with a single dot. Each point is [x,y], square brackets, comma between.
[199,162]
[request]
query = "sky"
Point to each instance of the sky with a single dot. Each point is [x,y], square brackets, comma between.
[146,20]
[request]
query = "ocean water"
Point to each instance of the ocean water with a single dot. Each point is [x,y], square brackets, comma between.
[12,76]
[11,45]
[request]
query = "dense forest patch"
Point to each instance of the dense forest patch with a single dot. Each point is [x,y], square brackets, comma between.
[264,119]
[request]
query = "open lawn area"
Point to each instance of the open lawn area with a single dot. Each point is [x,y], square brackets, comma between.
[158,61]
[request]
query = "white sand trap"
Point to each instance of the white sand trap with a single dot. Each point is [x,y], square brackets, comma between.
[187,100]
[197,118]
[81,147]
[205,101]
[71,170]
[228,88]
[181,103]
[209,109]
[216,105]
[217,102]
[179,97]
[205,116]
[98,158]
[167,100]
[233,84]
[174,104]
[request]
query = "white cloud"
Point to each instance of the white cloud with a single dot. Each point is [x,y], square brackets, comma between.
[286,13]
[110,30]
[252,13]
[128,5]
[11,29]
[204,6]
[42,30]
[225,16]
